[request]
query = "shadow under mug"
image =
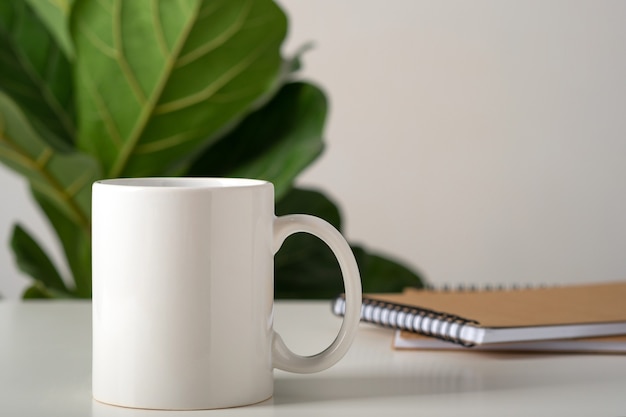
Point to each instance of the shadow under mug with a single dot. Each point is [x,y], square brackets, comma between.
[183,292]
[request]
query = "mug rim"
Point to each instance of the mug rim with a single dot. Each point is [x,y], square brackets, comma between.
[181,182]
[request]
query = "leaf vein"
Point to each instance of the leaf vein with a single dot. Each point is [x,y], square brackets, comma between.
[62,5]
[48,182]
[98,43]
[44,87]
[211,89]
[44,157]
[218,41]
[182,4]
[158,28]
[127,71]
[75,187]
[231,96]
[161,144]
[208,11]
[103,111]
[144,117]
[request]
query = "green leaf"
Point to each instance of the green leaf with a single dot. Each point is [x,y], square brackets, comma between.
[36,291]
[294,63]
[64,179]
[35,72]
[306,268]
[309,201]
[382,274]
[55,15]
[158,81]
[33,261]
[76,244]
[274,143]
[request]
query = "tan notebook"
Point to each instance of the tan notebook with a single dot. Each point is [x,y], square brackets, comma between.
[484,317]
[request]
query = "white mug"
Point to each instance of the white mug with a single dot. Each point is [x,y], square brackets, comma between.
[183,292]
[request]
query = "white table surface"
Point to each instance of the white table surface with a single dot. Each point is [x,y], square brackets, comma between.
[45,370]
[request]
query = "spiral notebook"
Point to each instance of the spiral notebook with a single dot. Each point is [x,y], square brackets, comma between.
[404,340]
[484,317]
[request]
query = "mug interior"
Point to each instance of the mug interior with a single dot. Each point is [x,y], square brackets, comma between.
[182,182]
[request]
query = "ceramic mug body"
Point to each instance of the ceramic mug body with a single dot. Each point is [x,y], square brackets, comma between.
[183,292]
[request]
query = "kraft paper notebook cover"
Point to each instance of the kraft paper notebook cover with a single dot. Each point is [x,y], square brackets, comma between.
[483,317]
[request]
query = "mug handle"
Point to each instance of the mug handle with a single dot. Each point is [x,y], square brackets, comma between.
[283,357]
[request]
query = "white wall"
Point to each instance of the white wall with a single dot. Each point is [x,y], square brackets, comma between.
[16,206]
[479,141]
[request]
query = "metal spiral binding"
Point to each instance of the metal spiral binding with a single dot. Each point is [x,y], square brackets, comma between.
[485,287]
[443,326]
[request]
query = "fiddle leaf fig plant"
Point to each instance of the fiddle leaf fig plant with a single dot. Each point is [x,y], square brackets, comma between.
[93,89]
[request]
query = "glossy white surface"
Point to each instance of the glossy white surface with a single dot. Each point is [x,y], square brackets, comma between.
[183,292]
[45,358]
[283,357]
